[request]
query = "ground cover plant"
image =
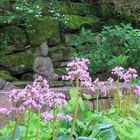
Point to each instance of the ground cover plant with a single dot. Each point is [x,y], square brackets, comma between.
[42,114]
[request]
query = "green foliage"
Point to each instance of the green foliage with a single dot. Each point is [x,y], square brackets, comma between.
[118,45]
[18,9]
[126,128]
[17,12]
[3,41]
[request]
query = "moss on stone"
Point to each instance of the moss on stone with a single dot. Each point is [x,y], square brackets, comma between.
[61,53]
[75,8]
[60,47]
[22,59]
[70,8]
[60,71]
[21,84]
[15,35]
[6,76]
[43,29]
[75,22]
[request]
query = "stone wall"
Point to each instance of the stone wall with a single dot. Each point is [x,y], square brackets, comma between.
[58,29]
[17,59]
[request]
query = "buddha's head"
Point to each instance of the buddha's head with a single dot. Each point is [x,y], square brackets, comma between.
[44,49]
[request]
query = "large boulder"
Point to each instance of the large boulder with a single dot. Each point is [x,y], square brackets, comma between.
[44,29]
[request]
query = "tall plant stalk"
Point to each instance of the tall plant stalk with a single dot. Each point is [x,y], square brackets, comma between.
[28,121]
[75,109]
[15,126]
[53,125]
[97,100]
[117,95]
[38,125]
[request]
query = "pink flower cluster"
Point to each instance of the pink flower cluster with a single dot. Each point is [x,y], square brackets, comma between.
[57,99]
[34,96]
[37,95]
[110,80]
[137,89]
[119,71]
[130,74]
[101,85]
[5,111]
[127,76]
[78,69]
[60,117]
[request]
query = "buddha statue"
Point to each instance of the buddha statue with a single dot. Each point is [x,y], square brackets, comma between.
[43,65]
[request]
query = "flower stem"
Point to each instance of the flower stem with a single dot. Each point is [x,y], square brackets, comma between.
[38,125]
[14,130]
[53,126]
[117,94]
[26,133]
[97,101]
[75,110]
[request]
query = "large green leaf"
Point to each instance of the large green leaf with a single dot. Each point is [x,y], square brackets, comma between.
[107,134]
[104,132]
[7,137]
[84,138]
[18,133]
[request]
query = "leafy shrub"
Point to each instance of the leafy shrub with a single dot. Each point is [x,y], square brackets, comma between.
[115,45]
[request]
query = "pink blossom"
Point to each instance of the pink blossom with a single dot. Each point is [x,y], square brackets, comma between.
[57,99]
[68,118]
[60,116]
[110,80]
[63,117]
[101,86]
[78,69]
[5,111]
[118,71]
[137,89]
[47,116]
[127,76]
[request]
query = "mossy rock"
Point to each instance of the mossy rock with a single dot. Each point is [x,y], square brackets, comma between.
[15,36]
[61,53]
[60,71]
[22,58]
[75,22]
[70,8]
[20,62]
[43,29]
[27,77]
[69,38]
[6,76]
[73,8]
[54,84]
[21,84]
